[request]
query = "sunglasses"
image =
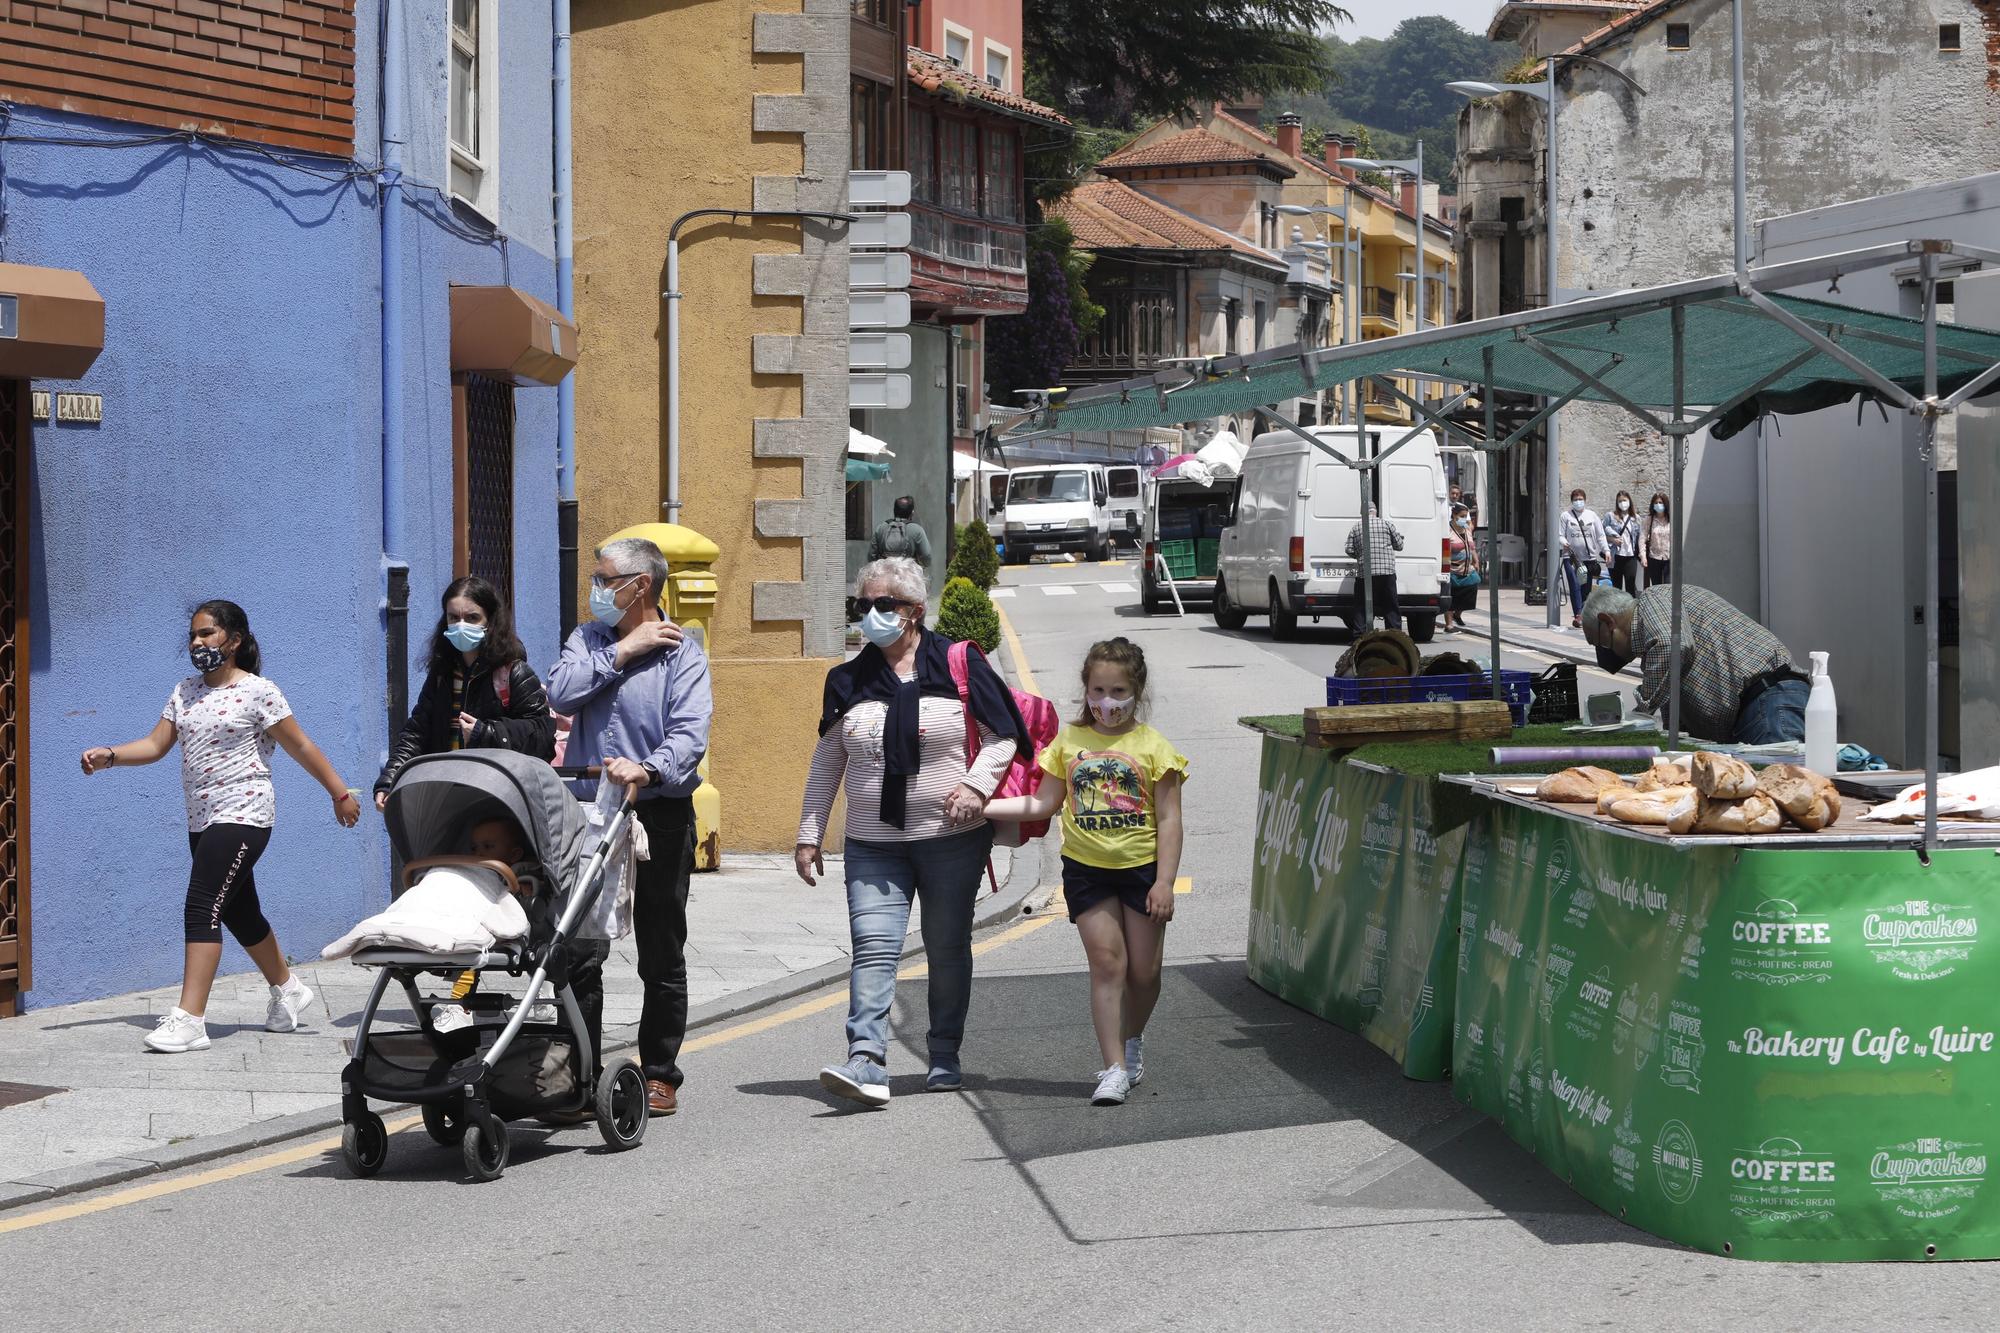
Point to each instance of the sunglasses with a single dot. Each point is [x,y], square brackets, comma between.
[858,607]
[611,580]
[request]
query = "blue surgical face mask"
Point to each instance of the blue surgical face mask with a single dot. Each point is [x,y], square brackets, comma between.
[1576,506]
[464,635]
[882,628]
[604,605]
[1659,509]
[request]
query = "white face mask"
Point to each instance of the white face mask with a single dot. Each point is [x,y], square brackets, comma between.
[1624,506]
[1111,712]
[1576,506]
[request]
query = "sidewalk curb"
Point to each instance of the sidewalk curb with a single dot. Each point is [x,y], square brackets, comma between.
[993,908]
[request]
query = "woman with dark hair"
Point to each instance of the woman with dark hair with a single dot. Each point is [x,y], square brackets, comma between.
[1659,550]
[1622,529]
[227,720]
[479,691]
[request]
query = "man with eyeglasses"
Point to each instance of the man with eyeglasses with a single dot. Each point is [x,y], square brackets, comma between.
[637,691]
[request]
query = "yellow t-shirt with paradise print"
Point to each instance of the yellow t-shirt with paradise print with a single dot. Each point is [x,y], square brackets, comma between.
[1108,820]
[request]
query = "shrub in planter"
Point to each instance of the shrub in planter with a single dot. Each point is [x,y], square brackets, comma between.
[975,559]
[966,613]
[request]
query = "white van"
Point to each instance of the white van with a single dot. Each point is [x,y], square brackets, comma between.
[1066,507]
[1284,553]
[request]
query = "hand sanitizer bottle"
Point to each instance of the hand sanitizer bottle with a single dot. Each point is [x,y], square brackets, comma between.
[1822,722]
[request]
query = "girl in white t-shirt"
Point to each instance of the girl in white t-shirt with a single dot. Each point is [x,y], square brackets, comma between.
[227,720]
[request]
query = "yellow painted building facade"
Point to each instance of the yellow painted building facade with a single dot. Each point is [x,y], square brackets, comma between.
[728,104]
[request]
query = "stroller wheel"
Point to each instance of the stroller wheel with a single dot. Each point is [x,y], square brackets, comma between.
[365,1144]
[485,1148]
[621,1105]
[445,1122]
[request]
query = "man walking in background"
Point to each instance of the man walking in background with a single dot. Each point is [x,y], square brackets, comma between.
[1383,543]
[901,535]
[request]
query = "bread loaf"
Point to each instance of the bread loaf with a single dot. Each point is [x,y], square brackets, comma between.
[1753,814]
[1665,773]
[1577,786]
[1723,776]
[1806,798]
[1672,808]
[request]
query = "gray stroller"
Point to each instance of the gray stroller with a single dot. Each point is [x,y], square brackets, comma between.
[504,1065]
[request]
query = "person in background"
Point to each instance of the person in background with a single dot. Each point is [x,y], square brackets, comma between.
[639,696]
[1625,534]
[1383,543]
[1738,683]
[1465,575]
[1584,552]
[479,691]
[1659,543]
[227,719]
[901,535]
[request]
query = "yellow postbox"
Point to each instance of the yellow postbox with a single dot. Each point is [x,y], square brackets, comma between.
[689,601]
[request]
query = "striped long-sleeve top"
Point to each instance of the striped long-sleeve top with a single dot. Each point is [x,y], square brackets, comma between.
[851,752]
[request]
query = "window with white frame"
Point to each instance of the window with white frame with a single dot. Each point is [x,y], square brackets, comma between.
[473,101]
[998,62]
[957,46]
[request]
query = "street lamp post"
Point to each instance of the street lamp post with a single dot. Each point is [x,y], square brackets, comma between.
[1552,465]
[1410,167]
[1350,321]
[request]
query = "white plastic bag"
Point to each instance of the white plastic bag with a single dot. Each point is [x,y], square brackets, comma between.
[610,917]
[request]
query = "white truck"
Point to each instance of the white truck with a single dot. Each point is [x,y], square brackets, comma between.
[1284,553]
[1061,508]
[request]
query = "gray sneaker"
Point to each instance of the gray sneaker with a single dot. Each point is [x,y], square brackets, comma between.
[859,1080]
[1135,1058]
[945,1075]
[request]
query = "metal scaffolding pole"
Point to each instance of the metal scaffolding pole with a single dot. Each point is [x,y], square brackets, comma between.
[1930,427]
[1679,450]
[1487,398]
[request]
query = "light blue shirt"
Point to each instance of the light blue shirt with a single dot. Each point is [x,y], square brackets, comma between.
[655,711]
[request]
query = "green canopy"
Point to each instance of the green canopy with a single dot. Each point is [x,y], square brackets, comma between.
[861,470]
[1740,353]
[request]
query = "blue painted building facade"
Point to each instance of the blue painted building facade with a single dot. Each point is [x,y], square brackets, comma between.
[241,454]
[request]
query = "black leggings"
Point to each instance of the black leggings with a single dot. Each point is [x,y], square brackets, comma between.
[222,891]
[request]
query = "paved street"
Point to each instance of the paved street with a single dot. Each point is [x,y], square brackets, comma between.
[1271,1172]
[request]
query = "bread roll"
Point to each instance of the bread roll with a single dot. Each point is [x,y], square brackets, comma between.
[1723,776]
[1753,814]
[1665,773]
[1577,786]
[1807,799]
[1672,808]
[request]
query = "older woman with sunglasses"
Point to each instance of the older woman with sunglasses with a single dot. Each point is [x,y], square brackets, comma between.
[893,730]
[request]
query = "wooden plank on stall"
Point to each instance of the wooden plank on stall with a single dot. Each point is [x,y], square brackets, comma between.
[1478,719]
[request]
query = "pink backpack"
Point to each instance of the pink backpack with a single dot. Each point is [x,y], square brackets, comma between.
[1022,775]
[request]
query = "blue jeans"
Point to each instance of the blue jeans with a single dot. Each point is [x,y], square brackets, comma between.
[1778,714]
[883,878]
[1581,581]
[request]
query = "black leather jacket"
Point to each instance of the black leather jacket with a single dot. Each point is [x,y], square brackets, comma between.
[524,725]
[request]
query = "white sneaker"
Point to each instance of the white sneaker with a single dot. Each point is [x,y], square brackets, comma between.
[287,1003]
[450,1018]
[178,1031]
[1135,1058]
[1112,1086]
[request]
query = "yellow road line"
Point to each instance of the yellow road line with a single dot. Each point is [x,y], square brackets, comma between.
[1013,640]
[303,1152]
[1184,885]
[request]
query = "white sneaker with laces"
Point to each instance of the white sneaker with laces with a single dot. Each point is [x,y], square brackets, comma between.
[178,1031]
[1135,1058]
[1113,1085]
[287,1003]
[450,1018]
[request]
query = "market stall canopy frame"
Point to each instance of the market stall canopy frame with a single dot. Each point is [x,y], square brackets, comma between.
[1748,349]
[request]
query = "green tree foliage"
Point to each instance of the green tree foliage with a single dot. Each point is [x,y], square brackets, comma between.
[973,557]
[966,614]
[1114,63]
[1395,87]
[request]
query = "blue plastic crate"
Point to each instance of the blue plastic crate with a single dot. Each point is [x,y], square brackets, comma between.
[1344,690]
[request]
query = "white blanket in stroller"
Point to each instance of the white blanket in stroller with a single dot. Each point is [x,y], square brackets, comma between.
[450,909]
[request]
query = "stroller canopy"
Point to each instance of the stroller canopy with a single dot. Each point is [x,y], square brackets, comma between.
[439,797]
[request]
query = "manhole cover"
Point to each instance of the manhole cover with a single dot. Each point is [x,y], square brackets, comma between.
[13,1094]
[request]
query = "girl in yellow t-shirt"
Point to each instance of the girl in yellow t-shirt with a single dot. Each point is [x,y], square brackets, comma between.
[1118,784]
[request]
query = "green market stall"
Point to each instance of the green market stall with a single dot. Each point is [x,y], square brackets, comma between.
[1775,1048]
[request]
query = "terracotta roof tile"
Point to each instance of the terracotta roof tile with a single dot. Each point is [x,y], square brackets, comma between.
[1190,148]
[1111,215]
[933,74]
[1508,20]
[1640,13]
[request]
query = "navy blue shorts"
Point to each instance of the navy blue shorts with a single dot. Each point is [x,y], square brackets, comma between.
[1085,886]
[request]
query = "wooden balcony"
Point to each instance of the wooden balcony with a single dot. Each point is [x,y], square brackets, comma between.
[966,266]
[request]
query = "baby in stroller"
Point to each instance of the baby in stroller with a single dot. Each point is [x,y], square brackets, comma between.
[501,840]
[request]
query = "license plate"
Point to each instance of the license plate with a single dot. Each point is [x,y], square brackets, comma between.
[1048,546]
